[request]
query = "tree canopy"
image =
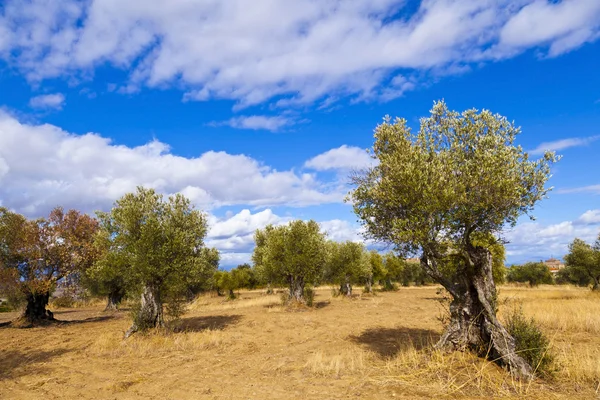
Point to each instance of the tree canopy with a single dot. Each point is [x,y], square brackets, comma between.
[584,259]
[160,247]
[292,254]
[36,254]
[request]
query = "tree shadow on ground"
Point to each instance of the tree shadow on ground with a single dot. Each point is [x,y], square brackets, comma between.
[322,304]
[16,363]
[86,320]
[212,322]
[388,342]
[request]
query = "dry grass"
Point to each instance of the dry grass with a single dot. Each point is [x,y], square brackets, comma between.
[373,347]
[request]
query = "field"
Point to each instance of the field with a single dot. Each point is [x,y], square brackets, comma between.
[371,347]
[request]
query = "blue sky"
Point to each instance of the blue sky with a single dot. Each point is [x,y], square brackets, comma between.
[257,111]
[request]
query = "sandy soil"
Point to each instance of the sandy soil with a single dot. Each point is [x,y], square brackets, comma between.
[252,348]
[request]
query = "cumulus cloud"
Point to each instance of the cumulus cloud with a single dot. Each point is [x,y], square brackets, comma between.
[255,122]
[342,158]
[590,217]
[46,101]
[289,52]
[563,144]
[42,166]
[532,241]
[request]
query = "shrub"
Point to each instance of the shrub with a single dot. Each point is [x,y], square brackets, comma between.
[64,301]
[530,341]
[533,273]
[309,296]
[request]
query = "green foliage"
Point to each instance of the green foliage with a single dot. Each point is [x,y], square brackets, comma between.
[534,273]
[460,176]
[155,243]
[574,276]
[347,262]
[584,260]
[293,252]
[530,341]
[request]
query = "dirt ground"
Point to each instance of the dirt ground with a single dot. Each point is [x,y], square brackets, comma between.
[371,347]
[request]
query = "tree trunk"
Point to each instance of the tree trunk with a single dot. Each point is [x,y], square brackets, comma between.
[297,289]
[114,299]
[346,287]
[150,314]
[473,322]
[35,311]
[369,286]
[596,283]
[231,295]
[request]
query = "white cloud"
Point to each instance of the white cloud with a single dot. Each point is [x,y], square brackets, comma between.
[564,144]
[55,101]
[340,231]
[562,25]
[594,189]
[256,122]
[342,158]
[589,217]
[289,52]
[532,241]
[42,166]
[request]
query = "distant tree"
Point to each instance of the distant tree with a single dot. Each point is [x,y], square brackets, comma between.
[225,281]
[105,277]
[394,266]
[347,265]
[161,244]
[534,273]
[292,254]
[36,254]
[373,270]
[433,192]
[584,259]
[574,276]
[245,276]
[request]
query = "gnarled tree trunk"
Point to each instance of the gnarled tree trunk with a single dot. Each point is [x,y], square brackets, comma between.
[150,314]
[114,298]
[473,323]
[297,289]
[35,311]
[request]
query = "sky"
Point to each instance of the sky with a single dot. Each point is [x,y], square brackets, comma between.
[257,111]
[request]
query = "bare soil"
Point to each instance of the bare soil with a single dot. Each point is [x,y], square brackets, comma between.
[371,347]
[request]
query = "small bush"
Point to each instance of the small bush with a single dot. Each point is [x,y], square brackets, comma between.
[530,341]
[63,302]
[309,296]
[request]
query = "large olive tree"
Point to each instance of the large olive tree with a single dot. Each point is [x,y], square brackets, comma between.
[435,192]
[292,254]
[159,245]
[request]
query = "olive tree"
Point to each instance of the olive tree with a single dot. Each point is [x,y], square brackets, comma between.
[434,191]
[36,254]
[347,265]
[161,247]
[292,254]
[584,259]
